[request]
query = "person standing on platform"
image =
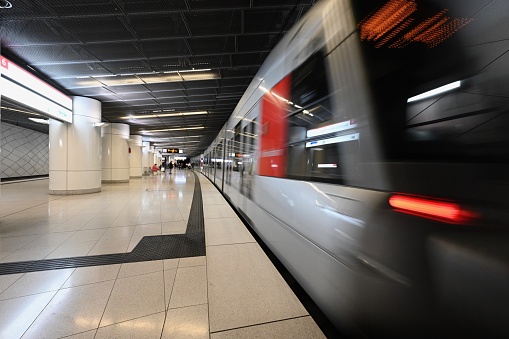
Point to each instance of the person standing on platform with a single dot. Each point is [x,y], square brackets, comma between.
[170,166]
[154,169]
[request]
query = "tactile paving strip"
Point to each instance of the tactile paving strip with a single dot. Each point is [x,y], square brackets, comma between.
[157,247]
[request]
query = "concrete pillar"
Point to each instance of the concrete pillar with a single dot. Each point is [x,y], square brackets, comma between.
[75,150]
[145,157]
[135,144]
[153,156]
[115,157]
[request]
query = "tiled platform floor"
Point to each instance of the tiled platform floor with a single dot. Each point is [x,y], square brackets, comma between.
[232,292]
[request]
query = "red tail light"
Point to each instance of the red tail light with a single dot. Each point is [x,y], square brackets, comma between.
[433,209]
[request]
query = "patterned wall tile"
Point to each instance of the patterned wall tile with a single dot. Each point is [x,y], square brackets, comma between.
[24,152]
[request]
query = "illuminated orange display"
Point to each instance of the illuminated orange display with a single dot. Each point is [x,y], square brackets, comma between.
[393,26]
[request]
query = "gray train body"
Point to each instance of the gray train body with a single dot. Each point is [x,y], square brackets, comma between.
[326,134]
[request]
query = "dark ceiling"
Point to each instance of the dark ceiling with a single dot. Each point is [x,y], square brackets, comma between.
[150,57]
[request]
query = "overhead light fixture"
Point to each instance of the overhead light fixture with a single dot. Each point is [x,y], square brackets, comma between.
[189,70]
[176,129]
[40,121]
[162,115]
[154,77]
[187,136]
[171,129]
[436,91]
[100,124]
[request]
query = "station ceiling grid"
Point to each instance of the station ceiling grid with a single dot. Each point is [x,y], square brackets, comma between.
[149,57]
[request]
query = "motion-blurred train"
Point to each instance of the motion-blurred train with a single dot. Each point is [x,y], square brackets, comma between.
[370,153]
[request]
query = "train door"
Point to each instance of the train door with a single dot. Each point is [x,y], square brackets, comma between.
[248,155]
[219,165]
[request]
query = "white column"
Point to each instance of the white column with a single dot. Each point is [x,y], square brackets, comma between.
[145,157]
[115,158]
[153,156]
[75,150]
[135,143]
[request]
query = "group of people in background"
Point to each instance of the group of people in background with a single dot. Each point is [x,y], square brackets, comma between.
[162,167]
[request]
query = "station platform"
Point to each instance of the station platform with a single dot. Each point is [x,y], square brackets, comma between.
[163,256]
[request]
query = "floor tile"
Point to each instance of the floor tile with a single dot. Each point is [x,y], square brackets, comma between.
[91,275]
[187,322]
[15,243]
[134,297]
[83,335]
[171,216]
[50,239]
[169,282]
[8,280]
[37,282]
[192,261]
[226,231]
[245,289]
[171,264]
[72,250]
[218,211]
[72,310]
[16,315]
[86,235]
[142,328]
[139,268]
[303,327]
[190,287]
[113,245]
[174,227]
[214,200]
[148,229]
[5,254]
[29,254]
[118,232]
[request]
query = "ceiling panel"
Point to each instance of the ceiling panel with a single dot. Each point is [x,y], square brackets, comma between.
[158,25]
[95,29]
[137,57]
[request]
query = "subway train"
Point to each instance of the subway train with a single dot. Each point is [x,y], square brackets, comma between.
[370,154]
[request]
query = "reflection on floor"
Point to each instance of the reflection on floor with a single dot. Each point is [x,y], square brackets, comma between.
[233,291]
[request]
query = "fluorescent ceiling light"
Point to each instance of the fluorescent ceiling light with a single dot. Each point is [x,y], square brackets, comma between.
[40,121]
[172,129]
[435,91]
[147,116]
[100,124]
[187,136]
[189,70]
[153,77]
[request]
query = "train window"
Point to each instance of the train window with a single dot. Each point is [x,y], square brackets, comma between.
[237,150]
[319,148]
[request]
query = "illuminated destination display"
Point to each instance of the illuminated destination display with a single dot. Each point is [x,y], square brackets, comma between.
[21,86]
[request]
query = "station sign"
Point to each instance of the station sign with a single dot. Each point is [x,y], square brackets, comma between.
[21,86]
[172,150]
